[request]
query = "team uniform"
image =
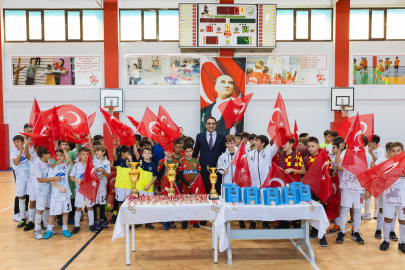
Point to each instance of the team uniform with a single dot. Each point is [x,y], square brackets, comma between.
[255,78]
[147,171]
[77,172]
[260,164]
[396,64]
[60,202]
[190,169]
[102,188]
[265,79]
[123,183]
[292,161]
[43,190]
[225,162]
[22,173]
[33,180]
[291,81]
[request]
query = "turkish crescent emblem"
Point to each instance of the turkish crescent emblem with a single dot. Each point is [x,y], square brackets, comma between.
[93,170]
[275,110]
[357,134]
[164,117]
[326,163]
[390,167]
[43,129]
[151,125]
[334,188]
[281,182]
[365,126]
[243,107]
[78,119]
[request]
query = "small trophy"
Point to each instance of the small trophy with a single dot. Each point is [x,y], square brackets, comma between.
[171,177]
[213,180]
[134,176]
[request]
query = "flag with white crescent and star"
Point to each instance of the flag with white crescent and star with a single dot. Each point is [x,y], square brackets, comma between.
[234,109]
[277,178]
[242,173]
[165,118]
[124,132]
[366,123]
[380,177]
[279,128]
[35,112]
[90,182]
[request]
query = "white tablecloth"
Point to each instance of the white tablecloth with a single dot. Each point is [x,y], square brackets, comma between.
[317,218]
[162,213]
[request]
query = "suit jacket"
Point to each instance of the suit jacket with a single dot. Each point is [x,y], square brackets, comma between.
[208,156]
[206,112]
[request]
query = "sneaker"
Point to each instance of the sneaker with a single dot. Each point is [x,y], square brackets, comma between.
[103,225]
[349,221]
[75,230]
[323,242]
[357,238]
[93,229]
[252,225]
[29,226]
[66,233]
[335,228]
[165,226]
[22,223]
[377,234]
[242,224]
[314,233]
[393,236]
[384,246]
[366,216]
[113,219]
[171,225]
[401,247]
[38,235]
[46,230]
[196,225]
[340,238]
[266,225]
[17,217]
[184,225]
[48,235]
[149,226]
[96,226]
[138,225]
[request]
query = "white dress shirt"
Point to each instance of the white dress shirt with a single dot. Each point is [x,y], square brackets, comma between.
[214,137]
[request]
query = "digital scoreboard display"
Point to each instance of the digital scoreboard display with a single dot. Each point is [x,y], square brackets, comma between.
[227,26]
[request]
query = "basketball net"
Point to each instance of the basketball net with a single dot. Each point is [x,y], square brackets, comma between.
[110,109]
[345,113]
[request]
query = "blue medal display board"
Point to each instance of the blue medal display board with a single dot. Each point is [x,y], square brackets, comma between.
[271,196]
[251,195]
[232,193]
[289,195]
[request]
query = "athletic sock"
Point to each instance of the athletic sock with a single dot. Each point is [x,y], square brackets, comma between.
[50,227]
[102,212]
[78,215]
[386,231]
[64,227]
[90,213]
[357,219]
[21,205]
[367,206]
[115,213]
[380,220]
[116,205]
[393,224]
[337,221]
[401,233]
[32,214]
[343,217]
[38,219]
[45,217]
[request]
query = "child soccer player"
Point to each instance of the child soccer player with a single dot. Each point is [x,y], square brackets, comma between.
[274,79]
[225,160]
[238,139]
[302,147]
[251,141]
[103,171]
[379,70]
[373,148]
[248,72]
[394,201]
[352,195]
[188,170]
[328,139]
[396,65]
[177,150]
[279,79]
[256,76]
[60,193]
[245,137]
[265,77]
[76,176]
[22,174]
[290,162]
[32,159]
[354,71]
[290,78]
[99,138]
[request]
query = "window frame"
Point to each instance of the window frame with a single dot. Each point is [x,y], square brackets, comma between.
[43,25]
[142,20]
[309,25]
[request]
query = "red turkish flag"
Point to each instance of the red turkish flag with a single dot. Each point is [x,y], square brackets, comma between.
[332,211]
[279,128]
[111,187]
[295,134]
[198,187]
[124,132]
[381,177]
[242,174]
[43,140]
[277,178]
[233,110]
[165,118]
[355,160]
[366,123]
[91,118]
[318,177]
[166,189]
[134,122]
[335,197]
[90,182]
[35,112]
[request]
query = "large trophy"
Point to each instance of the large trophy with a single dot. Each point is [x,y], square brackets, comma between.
[171,177]
[134,176]
[213,180]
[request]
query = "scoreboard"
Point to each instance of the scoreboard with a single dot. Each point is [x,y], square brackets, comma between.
[227,26]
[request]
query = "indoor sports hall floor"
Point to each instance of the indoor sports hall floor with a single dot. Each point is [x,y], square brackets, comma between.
[393,78]
[177,248]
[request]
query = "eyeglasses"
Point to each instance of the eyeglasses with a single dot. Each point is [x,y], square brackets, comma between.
[211,124]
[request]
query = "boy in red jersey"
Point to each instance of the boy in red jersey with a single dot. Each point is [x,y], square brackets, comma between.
[291,162]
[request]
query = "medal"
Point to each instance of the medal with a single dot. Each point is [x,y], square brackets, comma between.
[291,202]
[234,208]
[252,202]
[273,203]
[312,208]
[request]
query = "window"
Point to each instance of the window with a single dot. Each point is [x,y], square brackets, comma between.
[74,29]
[93,25]
[359,23]
[149,25]
[35,25]
[54,25]
[377,24]
[304,25]
[15,25]
[395,23]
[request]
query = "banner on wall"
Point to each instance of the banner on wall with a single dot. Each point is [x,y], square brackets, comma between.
[222,79]
[378,69]
[53,70]
[287,69]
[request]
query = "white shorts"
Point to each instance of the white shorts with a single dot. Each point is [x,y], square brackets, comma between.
[380,201]
[122,193]
[43,202]
[32,193]
[352,199]
[389,211]
[144,193]
[79,201]
[21,188]
[57,208]
[102,197]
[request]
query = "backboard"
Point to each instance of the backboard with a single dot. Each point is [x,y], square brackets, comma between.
[342,96]
[112,98]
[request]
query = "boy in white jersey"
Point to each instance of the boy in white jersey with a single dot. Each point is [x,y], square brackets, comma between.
[103,171]
[32,159]
[352,195]
[22,175]
[76,175]
[60,193]
[394,200]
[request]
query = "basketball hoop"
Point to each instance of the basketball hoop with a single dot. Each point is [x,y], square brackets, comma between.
[110,109]
[345,111]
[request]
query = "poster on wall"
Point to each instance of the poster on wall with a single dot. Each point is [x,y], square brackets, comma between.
[222,79]
[56,71]
[378,69]
[287,69]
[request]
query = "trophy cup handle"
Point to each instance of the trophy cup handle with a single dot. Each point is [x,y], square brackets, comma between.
[208,167]
[128,164]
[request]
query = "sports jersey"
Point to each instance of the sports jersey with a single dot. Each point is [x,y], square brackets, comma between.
[311,160]
[395,194]
[324,145]
[122,179]
[225,162]
[279,81]
[297,165]
[255,78]
[260,164]
[62,171]
[34,159]
[291,81]
[379,153]
[265,78]
[161,164]
[396,62]
[22,169]
[41,171]
[147,171]
[77,172]
[348,181]
[190,168]
[105,164]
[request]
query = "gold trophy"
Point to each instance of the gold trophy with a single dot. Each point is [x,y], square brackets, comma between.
[213,180]
[171,177]
[134,176]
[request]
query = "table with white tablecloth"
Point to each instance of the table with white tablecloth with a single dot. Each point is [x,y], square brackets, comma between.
[141,214]
[308,212]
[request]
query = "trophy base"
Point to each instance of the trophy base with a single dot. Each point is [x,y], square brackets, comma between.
[135,193]
[169,194]
[214,197]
